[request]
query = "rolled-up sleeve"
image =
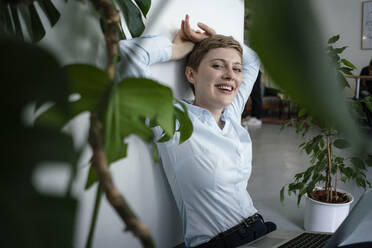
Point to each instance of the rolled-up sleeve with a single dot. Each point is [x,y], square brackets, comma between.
[250,70]
[139,53]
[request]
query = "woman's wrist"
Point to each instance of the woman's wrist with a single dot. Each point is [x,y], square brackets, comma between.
[181,50]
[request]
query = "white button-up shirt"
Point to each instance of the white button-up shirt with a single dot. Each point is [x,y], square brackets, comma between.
[208,173]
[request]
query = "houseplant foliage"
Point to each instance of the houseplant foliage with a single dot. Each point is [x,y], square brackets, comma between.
[117,110]
[287,38]
[12,11]
[36,83]
[328,165]
[30,217]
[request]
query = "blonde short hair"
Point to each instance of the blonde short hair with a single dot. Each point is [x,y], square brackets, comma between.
[203,47]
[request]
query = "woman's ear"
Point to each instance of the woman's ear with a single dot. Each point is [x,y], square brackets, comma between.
[190,74]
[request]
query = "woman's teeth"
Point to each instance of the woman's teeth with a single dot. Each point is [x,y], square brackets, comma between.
[224,87]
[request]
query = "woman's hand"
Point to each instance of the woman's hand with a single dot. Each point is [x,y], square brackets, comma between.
[186,38]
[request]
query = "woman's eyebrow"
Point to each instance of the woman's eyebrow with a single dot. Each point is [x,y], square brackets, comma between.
[223,60]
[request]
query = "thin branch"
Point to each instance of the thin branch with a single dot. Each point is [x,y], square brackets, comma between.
[99,161]
[329,170]
[112,18]
[117,201]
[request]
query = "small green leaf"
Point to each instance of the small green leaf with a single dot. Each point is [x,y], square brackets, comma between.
[346,70]
[299,127]
[341,143]
[348,63]
[321,143]
[333,39]
[282,194]
[302,112]
[91,179]
[340,50]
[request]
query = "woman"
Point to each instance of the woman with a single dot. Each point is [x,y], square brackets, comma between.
[208,173]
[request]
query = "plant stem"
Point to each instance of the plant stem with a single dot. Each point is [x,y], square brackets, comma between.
[112,18]
[336,196]
[117,201]
[329,170]
[94,217]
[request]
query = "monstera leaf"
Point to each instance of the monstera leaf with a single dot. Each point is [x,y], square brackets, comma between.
[11,12]
[31,218]
[123,107]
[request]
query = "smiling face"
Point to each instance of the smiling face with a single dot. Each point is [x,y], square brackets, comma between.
[217,78]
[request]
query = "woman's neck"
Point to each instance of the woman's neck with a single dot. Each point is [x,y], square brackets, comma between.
[215,112]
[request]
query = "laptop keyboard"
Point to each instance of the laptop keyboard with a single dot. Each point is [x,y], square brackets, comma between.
[307,240]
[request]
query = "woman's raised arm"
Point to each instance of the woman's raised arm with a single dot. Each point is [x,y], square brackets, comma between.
[186,38]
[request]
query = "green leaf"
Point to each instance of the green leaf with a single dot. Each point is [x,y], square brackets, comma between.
[29,215]
[342,81]
[299,127]
[345,171]
[40,79]
[340,50]
[50,11]
[302,112]
[333,39]
[280,44]
[282,194]
[144,5]
[348,63]
[91,83]
[321,143]
[132,16]
[341,143]
[38,31]
[185,123]
[346,70]
[133,100]
[358,163]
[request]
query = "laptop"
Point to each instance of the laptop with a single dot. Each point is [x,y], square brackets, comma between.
[355,231]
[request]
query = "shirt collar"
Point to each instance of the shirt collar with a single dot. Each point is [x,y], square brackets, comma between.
[204,114]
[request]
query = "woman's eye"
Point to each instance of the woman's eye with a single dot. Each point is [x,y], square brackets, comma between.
[237,69]
[216,66]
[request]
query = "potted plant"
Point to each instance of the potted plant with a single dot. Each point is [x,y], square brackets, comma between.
[326,205]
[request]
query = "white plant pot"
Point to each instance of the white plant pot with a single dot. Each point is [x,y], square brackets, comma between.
[325,217]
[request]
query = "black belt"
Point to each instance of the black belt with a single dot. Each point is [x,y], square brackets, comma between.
[231,235]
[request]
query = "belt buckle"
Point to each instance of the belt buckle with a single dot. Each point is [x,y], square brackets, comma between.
[247,222]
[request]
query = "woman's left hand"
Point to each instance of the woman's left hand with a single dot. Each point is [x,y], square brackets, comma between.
[196,35]
[186,37]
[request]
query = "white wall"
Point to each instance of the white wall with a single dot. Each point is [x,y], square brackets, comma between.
[77,39]
[344,17]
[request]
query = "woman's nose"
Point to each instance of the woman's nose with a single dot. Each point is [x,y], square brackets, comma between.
[229,73]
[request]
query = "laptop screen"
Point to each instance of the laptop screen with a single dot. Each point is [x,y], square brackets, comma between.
[357,227]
